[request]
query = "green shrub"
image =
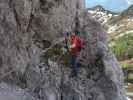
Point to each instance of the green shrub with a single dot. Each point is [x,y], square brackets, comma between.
[123,47]
[126,65]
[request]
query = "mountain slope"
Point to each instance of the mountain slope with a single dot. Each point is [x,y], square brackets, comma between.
[114,23]
[128,12]
[101,14]
[101,9]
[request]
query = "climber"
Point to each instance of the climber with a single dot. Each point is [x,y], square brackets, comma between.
[75,47]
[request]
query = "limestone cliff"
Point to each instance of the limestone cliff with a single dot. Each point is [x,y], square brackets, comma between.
[29,27]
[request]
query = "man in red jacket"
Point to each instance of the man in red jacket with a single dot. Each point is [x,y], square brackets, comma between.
[75,48]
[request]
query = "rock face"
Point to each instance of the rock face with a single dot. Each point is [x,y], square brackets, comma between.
[28,27]
[8,92]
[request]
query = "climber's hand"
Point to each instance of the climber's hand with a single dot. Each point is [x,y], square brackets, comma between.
[64,50]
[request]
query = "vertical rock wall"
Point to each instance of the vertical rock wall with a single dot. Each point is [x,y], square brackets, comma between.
[27,26]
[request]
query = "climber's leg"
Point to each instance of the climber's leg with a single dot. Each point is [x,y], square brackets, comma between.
[77,66]
[73,60]
[74,66]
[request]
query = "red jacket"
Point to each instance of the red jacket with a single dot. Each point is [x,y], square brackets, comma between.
[76,45]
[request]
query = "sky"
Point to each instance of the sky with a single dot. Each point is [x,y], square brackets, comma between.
[113,5]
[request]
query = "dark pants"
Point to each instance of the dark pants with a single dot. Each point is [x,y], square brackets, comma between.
[75,65]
